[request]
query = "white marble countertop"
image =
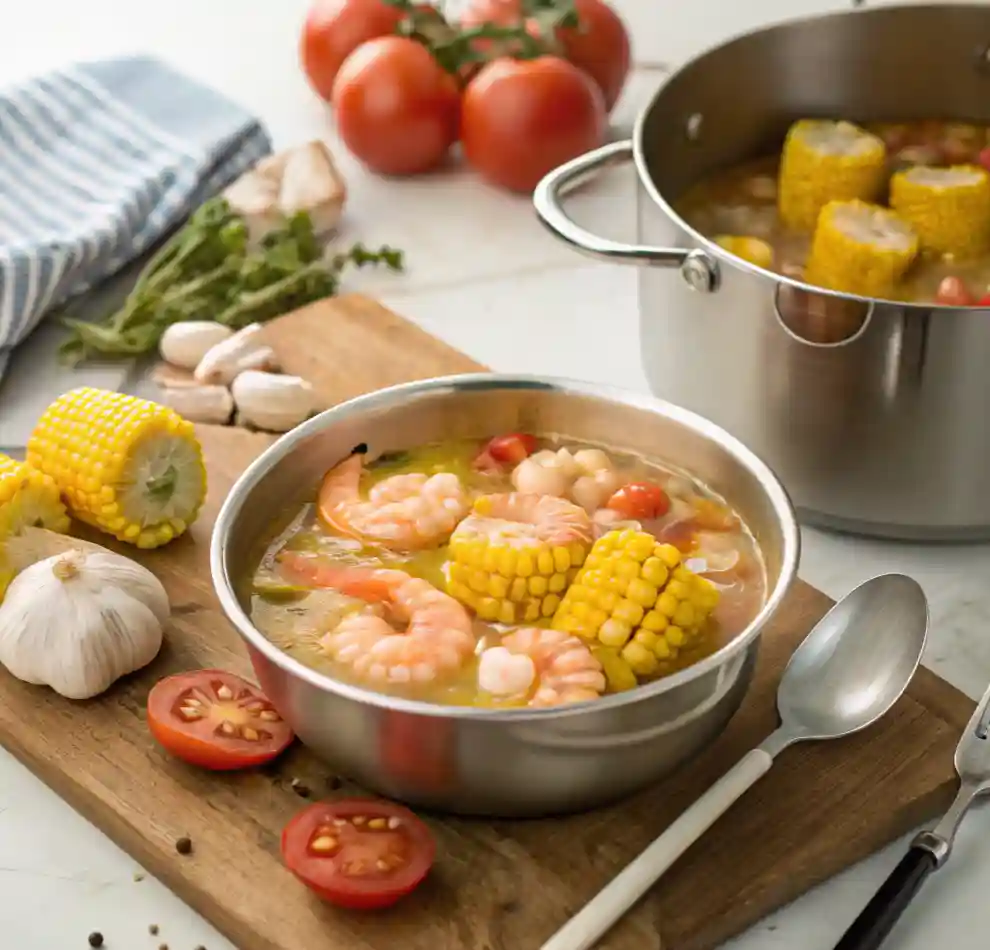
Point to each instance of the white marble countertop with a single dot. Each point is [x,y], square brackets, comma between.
[484,276]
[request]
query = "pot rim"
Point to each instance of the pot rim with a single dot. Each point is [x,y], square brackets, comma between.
[709,246]
[381,399]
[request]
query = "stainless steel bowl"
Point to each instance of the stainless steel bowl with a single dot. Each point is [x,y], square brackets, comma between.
[519,762]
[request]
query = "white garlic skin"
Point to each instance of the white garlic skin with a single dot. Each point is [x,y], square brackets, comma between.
[213,404]
[224,362]
[185,344]
[272,402]
[80,620]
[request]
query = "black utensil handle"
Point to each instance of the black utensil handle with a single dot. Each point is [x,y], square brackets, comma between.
[877,919]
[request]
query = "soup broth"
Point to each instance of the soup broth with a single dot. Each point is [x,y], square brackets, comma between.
[519,572]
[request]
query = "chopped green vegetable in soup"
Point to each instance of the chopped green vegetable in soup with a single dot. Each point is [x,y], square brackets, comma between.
[518,572]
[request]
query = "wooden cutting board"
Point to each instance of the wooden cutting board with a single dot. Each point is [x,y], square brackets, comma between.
[496,885]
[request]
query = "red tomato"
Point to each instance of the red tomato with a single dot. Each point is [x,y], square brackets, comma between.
[599,44]
[984,301]
[953,293]
[215,720]
[358,853]
[640,500]
[334,29]
[397,109]
[984,158]
[520,119]
[511,448]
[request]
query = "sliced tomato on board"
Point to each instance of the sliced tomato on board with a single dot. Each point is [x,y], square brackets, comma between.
[358,853]
[216,720]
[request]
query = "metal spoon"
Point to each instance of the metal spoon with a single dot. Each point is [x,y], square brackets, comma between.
[930,849]
[851,668]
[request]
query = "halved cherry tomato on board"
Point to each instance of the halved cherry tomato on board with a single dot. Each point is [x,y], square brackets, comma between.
[216,720]
[358,853]
[397,109]
[953,293]
[640,500]
[334,29]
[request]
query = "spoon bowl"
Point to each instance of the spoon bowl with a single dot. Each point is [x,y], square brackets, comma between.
[856,662]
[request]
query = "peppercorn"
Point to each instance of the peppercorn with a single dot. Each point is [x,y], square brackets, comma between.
[96,939]
[184,845]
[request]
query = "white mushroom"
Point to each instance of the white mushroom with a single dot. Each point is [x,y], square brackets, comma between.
[272,402]
[243,351]
[200,403]
[185,344]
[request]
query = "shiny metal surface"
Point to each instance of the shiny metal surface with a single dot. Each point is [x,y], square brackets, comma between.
[515,762]
[872,413]
[847,673]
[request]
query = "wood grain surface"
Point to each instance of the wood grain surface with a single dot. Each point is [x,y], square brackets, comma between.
[496,885]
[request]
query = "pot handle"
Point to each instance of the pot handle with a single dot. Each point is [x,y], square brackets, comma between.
[698,270]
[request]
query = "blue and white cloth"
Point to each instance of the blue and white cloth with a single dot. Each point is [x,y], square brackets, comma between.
[97,163]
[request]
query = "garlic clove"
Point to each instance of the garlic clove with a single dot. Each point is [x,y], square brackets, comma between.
[167,376]
[272,402]
[185,344]
[311,182]
[213,404]
[80,620]
[243,351]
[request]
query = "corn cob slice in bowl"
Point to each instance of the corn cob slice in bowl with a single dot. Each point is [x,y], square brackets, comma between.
[512,558]
[127,466]
[949,208]
[634,595]
[860,248]
[749,249]
[825,161]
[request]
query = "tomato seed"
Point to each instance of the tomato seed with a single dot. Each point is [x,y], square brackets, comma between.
[96,939]
[377,823]
[340,822]
[184,845]
[269,715]
[394,822]
[226,728]
[323,844]
[224,692]
[192,701]
[188,712]
[250,734]
[382,865]
[358,820]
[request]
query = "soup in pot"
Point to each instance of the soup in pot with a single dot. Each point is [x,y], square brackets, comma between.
[897,211]
[518,572]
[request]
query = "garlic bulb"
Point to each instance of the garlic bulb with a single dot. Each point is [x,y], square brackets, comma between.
[185,344]
[272,402]
[80,620]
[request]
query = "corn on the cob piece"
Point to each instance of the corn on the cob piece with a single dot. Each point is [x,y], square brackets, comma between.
[635,595]
[511,572]
[949,208]
[859,248]
[129,467]
[748,248]
[825,161]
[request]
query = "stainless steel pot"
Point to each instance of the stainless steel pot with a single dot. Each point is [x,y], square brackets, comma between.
[872,413]
[518,762]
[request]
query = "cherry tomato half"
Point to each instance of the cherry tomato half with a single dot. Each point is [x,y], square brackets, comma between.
[984,158]
[333,29]
[984,301]
[953,293]
[511,448]
[397,109]
[640,500]
[522,118]
[216,720]
[358,853]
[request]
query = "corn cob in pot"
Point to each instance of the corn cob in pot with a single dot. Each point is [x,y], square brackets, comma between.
[127,466]
[748,249]
[825,161]
[860,248]
[513,557]
[634,595]
[949,208]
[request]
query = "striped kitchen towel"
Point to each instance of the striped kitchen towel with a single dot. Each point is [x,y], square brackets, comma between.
[97,163]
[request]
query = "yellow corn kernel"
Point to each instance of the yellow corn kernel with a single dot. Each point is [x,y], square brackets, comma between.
[127,466]
[28,499]
[618,673]
[825,161]
[748,248]
[648,614]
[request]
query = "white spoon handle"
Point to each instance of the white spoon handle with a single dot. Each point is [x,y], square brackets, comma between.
[583,930]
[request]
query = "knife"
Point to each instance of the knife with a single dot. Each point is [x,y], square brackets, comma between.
[930,849]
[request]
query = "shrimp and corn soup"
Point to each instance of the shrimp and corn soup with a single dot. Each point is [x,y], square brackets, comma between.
[521,572]
[898,211]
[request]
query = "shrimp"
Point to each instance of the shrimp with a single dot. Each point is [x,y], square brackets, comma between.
[407,631]
[402,513]
[562,667]
[522,520]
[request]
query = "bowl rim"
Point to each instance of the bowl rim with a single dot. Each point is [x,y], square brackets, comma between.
[481,381]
